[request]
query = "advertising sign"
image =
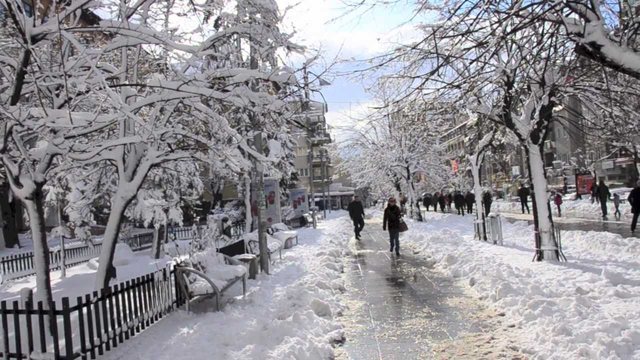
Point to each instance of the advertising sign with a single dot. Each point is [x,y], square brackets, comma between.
[272,201]
[584,184]
[299,201]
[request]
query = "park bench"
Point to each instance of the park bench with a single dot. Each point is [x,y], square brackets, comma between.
[253,246]
[209,274]
[282,232]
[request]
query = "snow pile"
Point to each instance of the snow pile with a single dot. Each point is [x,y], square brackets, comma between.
[586,308]
[571,208]
[290,314]
[213,264]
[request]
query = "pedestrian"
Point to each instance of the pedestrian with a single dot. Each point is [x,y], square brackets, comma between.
[470,198]
[458,201]
[557,199]
[523,194]
[426,201]
[449,200]
[356,213]
[435,200]
[634,201]
[616,204]
[603,194]
[487,199]
[391,220]
[442,202]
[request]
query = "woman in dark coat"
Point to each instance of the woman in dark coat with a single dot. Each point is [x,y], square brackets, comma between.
[441,201]
[391,221]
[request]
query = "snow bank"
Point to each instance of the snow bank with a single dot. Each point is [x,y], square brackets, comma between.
[290,314]
[586,308]
[571,208]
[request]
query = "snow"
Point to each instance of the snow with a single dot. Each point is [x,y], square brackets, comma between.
[290,314]
[80,279]
[588,307]
[583,208]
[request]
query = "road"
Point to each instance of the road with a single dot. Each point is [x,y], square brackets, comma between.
[399,308]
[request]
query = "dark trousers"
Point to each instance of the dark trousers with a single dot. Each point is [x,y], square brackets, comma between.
[559,212]
[634,221]
[394,240]
[603,206]
[469,208]
[358,225]
[524,205]
[487,208]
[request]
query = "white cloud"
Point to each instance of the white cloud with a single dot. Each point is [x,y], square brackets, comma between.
[324,25]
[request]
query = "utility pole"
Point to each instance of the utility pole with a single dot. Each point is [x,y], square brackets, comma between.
[310,133]
[259,173]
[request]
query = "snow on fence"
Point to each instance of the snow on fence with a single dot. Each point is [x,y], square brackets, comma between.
[96,322]
[22,264]
[139,241]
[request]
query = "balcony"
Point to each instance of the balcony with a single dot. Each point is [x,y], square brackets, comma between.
[320,138]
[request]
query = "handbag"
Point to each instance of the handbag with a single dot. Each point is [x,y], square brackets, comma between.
[403,226]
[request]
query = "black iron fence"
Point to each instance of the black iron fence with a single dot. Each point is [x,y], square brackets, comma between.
[94,324]
[19,265]
[23,264]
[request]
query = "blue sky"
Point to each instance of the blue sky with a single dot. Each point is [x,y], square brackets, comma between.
[359,35]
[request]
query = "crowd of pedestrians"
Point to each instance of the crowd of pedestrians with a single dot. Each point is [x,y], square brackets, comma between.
[463,202]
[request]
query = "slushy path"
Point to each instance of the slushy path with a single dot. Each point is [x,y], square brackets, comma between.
[400,309]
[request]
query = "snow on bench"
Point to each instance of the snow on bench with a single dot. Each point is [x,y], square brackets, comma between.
[253,245]
[209,274]
[282,232]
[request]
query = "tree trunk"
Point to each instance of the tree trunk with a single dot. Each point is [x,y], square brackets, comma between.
[548,245]
[8,230]
[476,161]
[248,218]
[40,246]
[106,271]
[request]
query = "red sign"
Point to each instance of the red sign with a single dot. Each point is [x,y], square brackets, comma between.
[454,166]
[584,184]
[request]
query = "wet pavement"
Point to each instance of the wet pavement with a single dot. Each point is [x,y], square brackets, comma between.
[622,228]
[398,308]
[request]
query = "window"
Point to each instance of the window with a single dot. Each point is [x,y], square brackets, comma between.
[303,172]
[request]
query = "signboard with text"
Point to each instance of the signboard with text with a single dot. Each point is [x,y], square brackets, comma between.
[584,184]
[272,201]
[299,201]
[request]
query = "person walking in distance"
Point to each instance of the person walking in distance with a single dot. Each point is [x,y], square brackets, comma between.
[634,201]
[487,199]
[616,205]
[441,201]
[458,202]
[356,213]
[523,194]
[470,198]
[391,221]
[603,194]
[557,199]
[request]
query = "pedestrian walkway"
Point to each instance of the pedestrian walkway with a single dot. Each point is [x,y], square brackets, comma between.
[623,228]
[401,309]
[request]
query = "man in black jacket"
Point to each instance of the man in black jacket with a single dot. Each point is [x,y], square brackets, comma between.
[470,198]
[603,194]
[523,194]
[356,213]
[634,201]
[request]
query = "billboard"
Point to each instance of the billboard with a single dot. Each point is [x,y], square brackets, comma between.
[272,201]
[584,184]
[299,201]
